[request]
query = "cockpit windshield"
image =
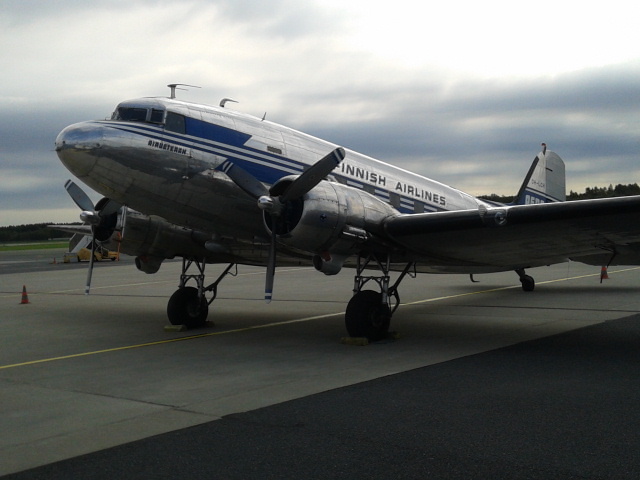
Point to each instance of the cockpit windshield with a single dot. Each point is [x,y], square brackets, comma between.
[129,114]
[137,114]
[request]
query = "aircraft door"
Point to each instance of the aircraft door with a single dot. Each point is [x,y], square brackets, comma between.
[173,143]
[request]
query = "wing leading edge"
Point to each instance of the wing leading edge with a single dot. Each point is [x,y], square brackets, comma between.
[519,236]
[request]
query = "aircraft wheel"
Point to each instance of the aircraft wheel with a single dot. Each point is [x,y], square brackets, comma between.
[366,316]
[184,308]
[528,283]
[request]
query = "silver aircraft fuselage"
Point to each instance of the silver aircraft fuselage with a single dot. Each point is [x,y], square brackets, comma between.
[161,157]
[212,185]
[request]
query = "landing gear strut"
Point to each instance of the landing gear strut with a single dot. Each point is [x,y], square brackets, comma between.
[528,283]
[189,305]
[369,312]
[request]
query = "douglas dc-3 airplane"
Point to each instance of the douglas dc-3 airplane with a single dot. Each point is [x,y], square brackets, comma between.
[212,185]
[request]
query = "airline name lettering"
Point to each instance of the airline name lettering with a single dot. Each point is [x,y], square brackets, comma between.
[363,174]
[421,193]
[380,180]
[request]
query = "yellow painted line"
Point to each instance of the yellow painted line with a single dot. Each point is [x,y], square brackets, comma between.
[173,340]
[80,290]
[276,324]
[458,295]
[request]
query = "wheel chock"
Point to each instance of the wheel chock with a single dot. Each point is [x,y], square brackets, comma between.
[359,341]
[184,328]
[175,328]
[362,341]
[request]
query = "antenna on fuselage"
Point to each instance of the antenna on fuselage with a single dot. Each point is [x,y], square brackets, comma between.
[174,87]
[225,100]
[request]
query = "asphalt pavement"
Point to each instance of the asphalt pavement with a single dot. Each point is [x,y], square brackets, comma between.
[484,381]
[561,407]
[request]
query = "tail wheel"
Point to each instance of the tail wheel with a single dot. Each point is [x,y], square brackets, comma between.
[185,307]
[528,283]
[367,316]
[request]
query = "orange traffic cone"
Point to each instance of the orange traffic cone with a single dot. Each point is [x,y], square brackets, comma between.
[603,274]
[25,297]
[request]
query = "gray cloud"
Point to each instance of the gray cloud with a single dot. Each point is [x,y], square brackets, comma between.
[489,126]
[284,19]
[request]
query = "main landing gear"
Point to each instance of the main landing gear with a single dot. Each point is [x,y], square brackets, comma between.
[189,306]
[369,312]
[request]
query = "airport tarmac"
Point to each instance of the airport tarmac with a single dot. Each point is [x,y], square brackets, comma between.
[81,374]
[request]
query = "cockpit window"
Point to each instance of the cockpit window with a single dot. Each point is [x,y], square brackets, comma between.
[131,114]
[157,116]
[175,123]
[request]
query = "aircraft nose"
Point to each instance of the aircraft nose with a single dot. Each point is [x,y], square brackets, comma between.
[77,146]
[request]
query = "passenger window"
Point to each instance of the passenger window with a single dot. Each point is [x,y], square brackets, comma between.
[175,123]
[156,116]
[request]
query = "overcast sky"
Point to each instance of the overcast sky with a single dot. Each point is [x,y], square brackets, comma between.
[463,92]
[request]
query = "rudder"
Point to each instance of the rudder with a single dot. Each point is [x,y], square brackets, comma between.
[545,181]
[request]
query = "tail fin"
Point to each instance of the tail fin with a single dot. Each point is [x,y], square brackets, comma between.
[545,181]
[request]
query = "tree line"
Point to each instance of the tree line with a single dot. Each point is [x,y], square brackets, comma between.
[30,233]
[589,193]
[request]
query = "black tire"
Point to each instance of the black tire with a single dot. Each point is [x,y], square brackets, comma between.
[366,316]
[184,308]
[528,283]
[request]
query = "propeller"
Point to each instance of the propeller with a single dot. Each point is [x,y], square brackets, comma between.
[94,215]
[274,204]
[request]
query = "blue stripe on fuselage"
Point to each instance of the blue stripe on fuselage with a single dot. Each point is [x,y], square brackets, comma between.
[222,141]
[532,196]
[211,131]
[267,167]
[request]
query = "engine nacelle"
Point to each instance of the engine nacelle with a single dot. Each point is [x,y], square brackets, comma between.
[330,218]
[152,239]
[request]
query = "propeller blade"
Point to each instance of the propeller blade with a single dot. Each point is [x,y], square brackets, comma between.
[271,264]
[90,271]
[123,222]
[243,179]
[313,175]
[94,216]
[301,185]
[80,198]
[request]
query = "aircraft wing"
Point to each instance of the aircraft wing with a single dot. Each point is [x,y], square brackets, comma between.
[520,236]
[81,229]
